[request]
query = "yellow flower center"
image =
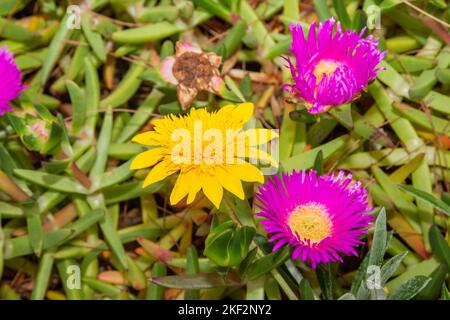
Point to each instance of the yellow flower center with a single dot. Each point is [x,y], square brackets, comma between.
[327,67]
[311,222]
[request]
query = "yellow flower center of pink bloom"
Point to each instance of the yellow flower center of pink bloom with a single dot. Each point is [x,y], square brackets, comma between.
[311,222]
[325,67]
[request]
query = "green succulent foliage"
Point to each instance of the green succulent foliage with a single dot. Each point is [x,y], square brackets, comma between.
[410,288]
[428,198]
[445,294]
[228,245]
[374,273]
[267,263]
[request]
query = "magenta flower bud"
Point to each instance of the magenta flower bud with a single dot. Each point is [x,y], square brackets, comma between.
[331,67]
[40,130]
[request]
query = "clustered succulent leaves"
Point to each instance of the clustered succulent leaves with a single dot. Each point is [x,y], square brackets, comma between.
[355,203]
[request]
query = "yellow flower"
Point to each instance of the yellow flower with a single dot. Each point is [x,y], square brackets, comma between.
[209,151]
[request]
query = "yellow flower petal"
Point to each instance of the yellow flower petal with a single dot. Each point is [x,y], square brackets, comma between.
[149,138]
[247,172]
[160,121]
[158,173]
[225,111]
[213,190]
[258,136]
[230,181]
[146,159]
[181,188]
[243,112]
[196,185]
[199,114]
[254,153]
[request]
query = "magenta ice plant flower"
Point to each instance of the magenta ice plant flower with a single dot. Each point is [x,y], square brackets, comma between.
[320,217]
[192,71]
[10,80]
[331,66]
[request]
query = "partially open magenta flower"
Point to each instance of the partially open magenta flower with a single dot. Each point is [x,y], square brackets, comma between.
[320,217]
[331,67]
[10,80]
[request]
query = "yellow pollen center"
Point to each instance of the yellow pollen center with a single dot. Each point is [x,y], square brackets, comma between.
[311,222]
[327,67]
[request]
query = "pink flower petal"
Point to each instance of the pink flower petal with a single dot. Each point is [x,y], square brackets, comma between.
[166,70]
[183,47]
[216,84]
[10,79]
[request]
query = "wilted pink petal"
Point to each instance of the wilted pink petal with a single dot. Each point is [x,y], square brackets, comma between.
[166,68]
[186,95]
[192,70]
[214,59]
[183,47]
[216,84]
